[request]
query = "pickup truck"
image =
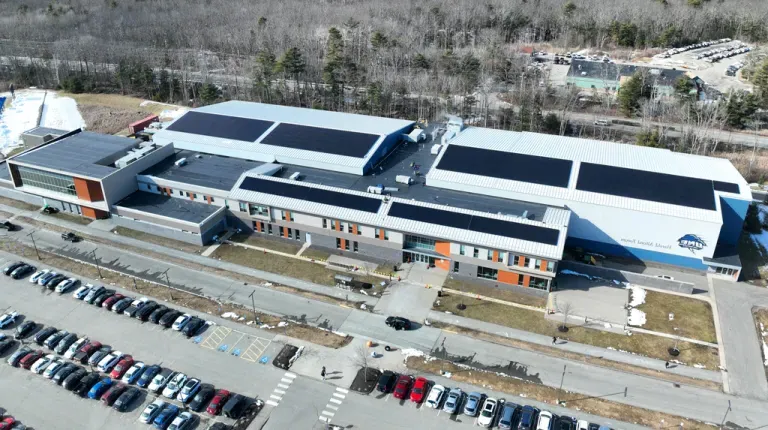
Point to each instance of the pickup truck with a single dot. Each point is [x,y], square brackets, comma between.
[71,237]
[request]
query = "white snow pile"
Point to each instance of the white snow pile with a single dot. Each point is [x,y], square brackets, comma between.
[282,324]
[61,112]
[636,317]
[574,273]
[765,353]
[411,352]
[266,327]
[232,315]
[637,295]
[18,116]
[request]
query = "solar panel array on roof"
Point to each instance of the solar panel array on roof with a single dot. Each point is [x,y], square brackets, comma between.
[221,126]
[726,187]
[326,140]
[643,185]
[507,165]
[475,223]
[317,195]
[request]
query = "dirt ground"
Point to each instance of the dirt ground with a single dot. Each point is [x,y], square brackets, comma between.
[496,293]
[158,240]
[693,318]
[18,204]
[111,113]
[592,405]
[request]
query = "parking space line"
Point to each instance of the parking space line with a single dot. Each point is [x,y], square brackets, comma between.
[255,349]
[283,386]
[341,396]
[216,337]
[337,401]
[290,375]
[330,414]
[275,397]
[271,403]
[278,391]
[326,419]
[342,390]
[335,408]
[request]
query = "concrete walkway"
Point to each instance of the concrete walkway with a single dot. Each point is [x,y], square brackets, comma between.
[211,249]
[592,351]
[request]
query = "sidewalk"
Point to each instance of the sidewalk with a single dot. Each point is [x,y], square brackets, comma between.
[592,351]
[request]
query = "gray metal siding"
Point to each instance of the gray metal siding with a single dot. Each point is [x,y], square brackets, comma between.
[161,231]
[18,195]
[468,272]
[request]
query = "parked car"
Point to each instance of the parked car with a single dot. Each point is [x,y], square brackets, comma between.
[86,351]
[582,425]
[528,417]
[435,397]
[74,378]
[148,375]
[488,412]
[126,398]
[235,406]
[52,283]
[30,358]
[110,396]
[109,302]
[181,321]
[46,277]
[218,402]
[121,367]
[189,390]
[566,423]
[86,383]
[75,347]
[193,326]
[169,318]
[41,363]
[55,338]
[65,343]
[8,422]
[151,411]
[453,400]
[134,373]
[160,380]
[65,370]
[508,416]
[81,292]
[402,387]
[398,323]
[544,421]
[104,295]
[37,275]
[419,389]
[25,329]
[97,356]
[121,305]
[16,357]
[93,294]
[166,416]
[6,344]
[158,313]
[175,385]
[146,310]
[54,366]
[182,422]
[50,210]
[134,307]
[22,271]
[202,397]
[386,381]
[71,237]
[67,285]
[11,267]
[99,388]
[44,334]
[107,363]
[219,426]
[7,319]
[472,406]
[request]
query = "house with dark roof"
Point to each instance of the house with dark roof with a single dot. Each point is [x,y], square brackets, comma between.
[610,76]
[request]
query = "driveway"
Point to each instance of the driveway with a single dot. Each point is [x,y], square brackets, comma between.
[601,301]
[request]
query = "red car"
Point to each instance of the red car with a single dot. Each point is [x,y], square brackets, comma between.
[111,301]
[30,359]
[86,351]
[113,393]
[221,397]
[7,422]
[419,389]
[402,386]
[121,367]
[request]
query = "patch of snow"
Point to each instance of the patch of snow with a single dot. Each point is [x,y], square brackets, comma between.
[523,395]
[18,116]
[229,315]
[765,353]
[637,296]
[574,273]
[411,352]
[607,325]
[636,317]
[61,112]
[241,319]
[699,366]
[282,324]
[266,326]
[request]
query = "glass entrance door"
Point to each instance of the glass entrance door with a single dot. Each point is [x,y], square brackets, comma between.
[413,257]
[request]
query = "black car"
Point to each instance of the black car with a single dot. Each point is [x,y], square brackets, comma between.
[102,297]
[398,323]
[54,281]
[146,310]
[64,343]
[86,383]
[25,329]
[146,376]
[63,372]
[125,399]
[193,326]
[593,426]
[50,210]
[55,338]
[528,418]
[158,313]
[71,381]
[565,423]
[203,396]
[22,271]
[168,319]
[122,305]
[6,344]
[219,426]
[6,225]
[44,334]
[132,311]
[8,269]
[386,381]
[71,237]
[235,406]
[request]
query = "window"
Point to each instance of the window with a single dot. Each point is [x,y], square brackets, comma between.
[725,271]
[538,283]
[412,241]
[338,243]
[325,223]
[341,225]
[489,257]
[181,193]
[349,228]
[359,230]
[346,245]
[462,250]
[520,280]
[551,266]
[297,234]
[47,180]
[537,264]
[378,232]
[257,210]
[501,256]
[258,226]
[386,235]
[289,234]
[269,228]
[354,246]
[527,262]
[243,207]
[484,272]
[455,267]
[516,260]
[212,199]
[282,215]
[475,253]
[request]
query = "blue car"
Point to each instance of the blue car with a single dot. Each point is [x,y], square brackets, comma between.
[147,375]
[166,416]
[97,390]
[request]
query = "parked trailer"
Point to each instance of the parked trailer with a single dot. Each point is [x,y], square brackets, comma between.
[140,125]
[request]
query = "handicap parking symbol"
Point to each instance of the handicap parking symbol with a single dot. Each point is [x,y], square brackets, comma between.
[198,339]
[236,352]
[223,348]
[264,360]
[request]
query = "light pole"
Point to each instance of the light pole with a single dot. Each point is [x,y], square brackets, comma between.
[95,260]
[726,414]
[560,390]
[35,245]
[253,304]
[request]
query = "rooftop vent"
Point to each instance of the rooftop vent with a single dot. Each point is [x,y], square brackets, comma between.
[180,162]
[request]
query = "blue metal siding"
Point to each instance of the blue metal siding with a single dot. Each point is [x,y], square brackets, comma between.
[734,211]
[640,254]
[389,143]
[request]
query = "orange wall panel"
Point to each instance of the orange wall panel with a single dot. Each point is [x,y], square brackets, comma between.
[526,280]
[381,233]
[543,265]
[444,264]
[88,190]
[443,248]
[93,213]
[343,244]
[354,228]
[521,261]
[508,277]
[495,255]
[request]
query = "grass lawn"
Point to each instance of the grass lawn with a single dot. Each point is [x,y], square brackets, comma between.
[260,241]
[157,240]
[316,253]
[533,321]
[18,204]
[496,293]
[693,318]
[287,266]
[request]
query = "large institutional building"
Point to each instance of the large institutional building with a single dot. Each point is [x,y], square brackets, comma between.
[480,203]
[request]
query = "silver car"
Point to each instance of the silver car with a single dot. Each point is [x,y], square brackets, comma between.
[453,401]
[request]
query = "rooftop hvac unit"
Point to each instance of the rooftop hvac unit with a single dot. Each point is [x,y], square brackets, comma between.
[375,190]
[295,176]
[391,189]
[180,162]
[435,149]
[404,179]
[198,156]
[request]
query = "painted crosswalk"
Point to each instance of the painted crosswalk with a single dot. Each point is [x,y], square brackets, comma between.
[279,391]
[334,403]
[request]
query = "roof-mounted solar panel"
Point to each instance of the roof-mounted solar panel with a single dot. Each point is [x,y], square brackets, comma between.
[726,187]
[316,195]
[317,139]
[221,126]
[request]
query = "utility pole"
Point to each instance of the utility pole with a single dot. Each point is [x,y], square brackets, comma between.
[35,245]
[98,268]
[253,304]
[560,390]
[726,414]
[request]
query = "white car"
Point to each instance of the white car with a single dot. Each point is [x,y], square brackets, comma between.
[65,285]
[107,363]
[46,277]
[160,380]
[582,425]
[41,363]
[130,375]
[181,322]
[183,421]
[37,275]
[8,319]
[435,396]
[175,385]
[151,411]
[82,291]
[189,390]
[545,421]
[72,350]
[488,412]
[53,367]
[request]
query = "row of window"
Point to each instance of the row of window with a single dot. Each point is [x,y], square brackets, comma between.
[412,241]
[493,274]
[285,232]
[349,227]
[725,271]
[346,244]
[47,180]
[253,209]
[161,190]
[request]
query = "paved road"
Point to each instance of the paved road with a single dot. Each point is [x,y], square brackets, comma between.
[743,358]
